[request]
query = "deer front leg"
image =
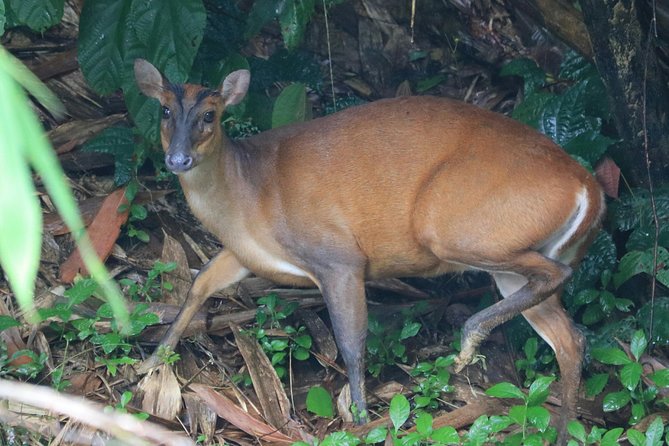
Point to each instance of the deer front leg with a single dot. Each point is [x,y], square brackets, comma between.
[344,294]
[220,272]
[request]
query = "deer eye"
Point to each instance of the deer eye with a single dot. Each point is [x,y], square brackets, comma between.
[208,117]
[166,112]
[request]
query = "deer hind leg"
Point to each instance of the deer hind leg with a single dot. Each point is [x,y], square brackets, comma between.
[554,325]
[550,320]
[533,278]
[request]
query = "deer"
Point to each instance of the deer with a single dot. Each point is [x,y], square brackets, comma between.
[415,186]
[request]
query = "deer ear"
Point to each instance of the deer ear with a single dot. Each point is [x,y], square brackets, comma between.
[149,79]
[235,86]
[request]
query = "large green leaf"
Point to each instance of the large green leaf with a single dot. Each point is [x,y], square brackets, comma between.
[21,225]
[261,12]
[24,142]
[291,106]
[103,33]
[600,257]
[660,311]
[144,112]
[319,401]
[119,142]
[293,19]
[171,31]
[579,69]
[38,15]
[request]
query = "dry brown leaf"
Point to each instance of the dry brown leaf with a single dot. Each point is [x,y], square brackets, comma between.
[229,411]
[179,277]
[344,403]
[268,387]
[84,383]
[12,338]
[607,173]
[103,231]
[162,393]
[201,415]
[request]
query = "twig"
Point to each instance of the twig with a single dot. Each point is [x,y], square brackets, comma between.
[125,427]
[656,222]
[327,36]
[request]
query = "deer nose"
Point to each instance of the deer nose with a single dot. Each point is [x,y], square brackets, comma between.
[178,162]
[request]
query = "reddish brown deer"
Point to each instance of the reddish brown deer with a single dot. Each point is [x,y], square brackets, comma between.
[413,186]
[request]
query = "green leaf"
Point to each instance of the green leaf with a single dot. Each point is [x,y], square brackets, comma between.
[531,347]
[638,344]
[654,432]
[80,291]
[539,390]
[376,435]
[589,145]
[638,412]
[611,437]
[601,256]
[399,411]
[424,423]
[103,35]
[301,354]
[427,84]
[304,341]
[660,378]
[261,12]
[171,32]
[505,390]
[635,262]
[592,314]
[635,437]
[409,330]
[290,106]
[293,18]
[630,375]
[596,383]
[616,401]
[576,430]
[660,314]
[446,435]
[539,417]
[319,402]
[38,15]
[518,414]
[119,142]
[611,356]
[21,224]
[7,322]
[279,345]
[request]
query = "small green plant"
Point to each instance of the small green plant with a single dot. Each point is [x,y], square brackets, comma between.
[101,330]
[433,380]
[654,435]
[532,363]
[597,435]
[122,404]
[531,417]
[635,393]
[386,342]
[279,342]
[154,285]
[400,412]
